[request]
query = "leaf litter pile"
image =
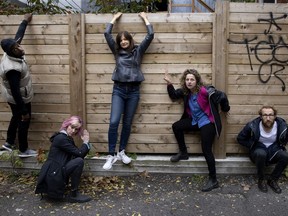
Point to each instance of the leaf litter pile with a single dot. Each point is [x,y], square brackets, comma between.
[143,186]
[121,195]
[95,186]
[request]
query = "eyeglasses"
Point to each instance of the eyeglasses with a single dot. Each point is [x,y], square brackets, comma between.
[268,115]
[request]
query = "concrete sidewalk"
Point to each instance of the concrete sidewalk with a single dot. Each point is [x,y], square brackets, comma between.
[152,195]
[151,164]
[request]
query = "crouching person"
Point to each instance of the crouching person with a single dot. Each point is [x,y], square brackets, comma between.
[65,162]
[266,137]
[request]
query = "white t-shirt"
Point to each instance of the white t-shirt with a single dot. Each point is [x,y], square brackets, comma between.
[268,138]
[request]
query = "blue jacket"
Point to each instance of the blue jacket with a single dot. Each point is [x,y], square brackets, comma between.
[250,134]
[128,64]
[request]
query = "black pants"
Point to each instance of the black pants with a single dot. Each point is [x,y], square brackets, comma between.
[259,157]
[207,133]
[73,170]
[16,123]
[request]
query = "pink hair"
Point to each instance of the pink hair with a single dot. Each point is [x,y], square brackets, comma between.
[68,122]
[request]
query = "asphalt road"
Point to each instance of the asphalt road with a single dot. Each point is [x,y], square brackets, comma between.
[148,194]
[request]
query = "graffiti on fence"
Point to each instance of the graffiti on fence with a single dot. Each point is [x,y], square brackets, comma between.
[272,21]
[269,53]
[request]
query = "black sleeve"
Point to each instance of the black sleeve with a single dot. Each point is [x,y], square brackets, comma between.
[173,93]
[224,102]
[244,137]
[221,98]
[13,78]
[67,145]
[21,31]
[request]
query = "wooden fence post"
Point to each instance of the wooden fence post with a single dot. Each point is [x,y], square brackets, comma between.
[77,66]
[220,32]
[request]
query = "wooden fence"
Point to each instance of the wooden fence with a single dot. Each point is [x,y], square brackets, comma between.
[256,72]
[72,66]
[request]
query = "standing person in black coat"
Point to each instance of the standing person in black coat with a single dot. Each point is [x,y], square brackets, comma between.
[266,137]
[65,161]
[17,90]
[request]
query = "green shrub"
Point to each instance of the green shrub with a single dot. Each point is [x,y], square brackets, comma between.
[35,7]
[129,6]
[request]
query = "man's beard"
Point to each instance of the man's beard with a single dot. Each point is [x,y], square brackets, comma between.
[268,124]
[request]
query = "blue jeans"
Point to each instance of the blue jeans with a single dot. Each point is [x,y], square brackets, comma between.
[125,98]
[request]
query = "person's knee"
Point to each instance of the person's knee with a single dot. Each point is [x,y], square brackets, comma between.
[259,154]
[79,161]
[175,127]
[284,157]
[114,123]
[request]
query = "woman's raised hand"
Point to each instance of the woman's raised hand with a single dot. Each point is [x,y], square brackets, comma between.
[85,137]
[116,17]
[144,17]
[167,77]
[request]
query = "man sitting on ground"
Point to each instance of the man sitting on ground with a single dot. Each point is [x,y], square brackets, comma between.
[266,137]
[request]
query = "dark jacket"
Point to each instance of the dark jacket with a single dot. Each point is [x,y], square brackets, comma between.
[128,64]
[215,98]
[250,134]
[52,177]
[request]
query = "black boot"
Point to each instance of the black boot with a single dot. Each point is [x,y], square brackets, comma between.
[76,197]
[262,185]
[274,185]
[210,185]
[179,156]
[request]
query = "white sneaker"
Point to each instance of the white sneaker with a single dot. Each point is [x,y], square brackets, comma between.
[109,162]
[122,156]
[28,153]
[8,146]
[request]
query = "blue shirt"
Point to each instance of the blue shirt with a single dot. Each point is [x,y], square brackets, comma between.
[198,116]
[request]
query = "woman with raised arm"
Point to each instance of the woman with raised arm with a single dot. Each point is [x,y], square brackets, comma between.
[200,114]
[127,77]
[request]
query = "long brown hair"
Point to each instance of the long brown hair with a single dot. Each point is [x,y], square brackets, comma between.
[128,36]
[197,76]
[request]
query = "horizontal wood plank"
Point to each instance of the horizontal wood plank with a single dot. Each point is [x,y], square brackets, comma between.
[166,37]
[164,18]
[156,58]
[181,41]
[157,48]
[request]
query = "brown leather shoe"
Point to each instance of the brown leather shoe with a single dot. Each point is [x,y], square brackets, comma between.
[274,185]
[262,185]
